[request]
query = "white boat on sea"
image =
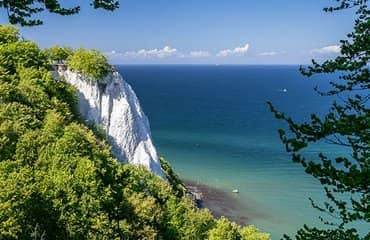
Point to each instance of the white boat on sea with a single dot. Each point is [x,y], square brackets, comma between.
[284,90]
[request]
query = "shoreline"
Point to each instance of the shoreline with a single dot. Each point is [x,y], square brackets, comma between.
[219,202]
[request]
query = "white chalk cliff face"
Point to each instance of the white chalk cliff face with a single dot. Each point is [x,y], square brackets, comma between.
[112,104]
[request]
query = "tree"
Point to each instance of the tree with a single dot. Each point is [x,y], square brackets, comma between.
[23,12]
[252,233]
[346,179]
[92,63]
[225,230]
[22,53]
[58,54]
[8,34]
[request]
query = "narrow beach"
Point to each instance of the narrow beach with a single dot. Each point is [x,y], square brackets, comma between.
[219,202]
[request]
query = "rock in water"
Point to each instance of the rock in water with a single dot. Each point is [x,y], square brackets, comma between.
[112,104]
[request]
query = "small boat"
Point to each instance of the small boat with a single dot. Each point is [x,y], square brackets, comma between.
[283,90]
[235,191]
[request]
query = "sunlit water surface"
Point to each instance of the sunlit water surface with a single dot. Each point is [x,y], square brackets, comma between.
[213,125]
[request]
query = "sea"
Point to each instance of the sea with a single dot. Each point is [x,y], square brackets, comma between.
[213,124]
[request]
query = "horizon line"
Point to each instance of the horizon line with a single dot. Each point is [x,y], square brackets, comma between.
[217,64]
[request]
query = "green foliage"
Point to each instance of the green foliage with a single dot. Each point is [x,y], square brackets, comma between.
[58,54]
[23,53]
[185,221]
[24,12]
[8,34]
[346,179]
[252,233]
[92,63]
[225,230]
[58,179]
[172,178]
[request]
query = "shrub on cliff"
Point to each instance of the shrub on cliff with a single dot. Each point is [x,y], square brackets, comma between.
[58,54]
[92,63]
[172,178]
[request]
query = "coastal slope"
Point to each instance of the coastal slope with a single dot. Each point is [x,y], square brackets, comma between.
[111,103]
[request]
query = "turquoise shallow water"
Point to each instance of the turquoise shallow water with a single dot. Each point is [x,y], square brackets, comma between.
[213,125]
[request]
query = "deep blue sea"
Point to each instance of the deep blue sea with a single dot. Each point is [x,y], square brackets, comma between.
[213,125]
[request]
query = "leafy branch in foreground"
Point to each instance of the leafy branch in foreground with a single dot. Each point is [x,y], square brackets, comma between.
[346,179]
[23,12]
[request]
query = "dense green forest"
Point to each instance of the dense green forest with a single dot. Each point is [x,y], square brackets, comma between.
[58,180]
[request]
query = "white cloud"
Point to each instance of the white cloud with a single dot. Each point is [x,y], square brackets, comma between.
[158,53]
[332,49]
[241,49]
[236,51]
[270,54]
[113,53]
[199,54]
[167,51]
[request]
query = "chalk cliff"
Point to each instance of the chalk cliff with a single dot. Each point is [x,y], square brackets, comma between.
[112,104]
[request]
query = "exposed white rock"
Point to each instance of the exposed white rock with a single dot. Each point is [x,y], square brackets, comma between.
[112,104]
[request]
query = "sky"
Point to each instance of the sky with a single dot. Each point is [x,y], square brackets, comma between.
[200,31]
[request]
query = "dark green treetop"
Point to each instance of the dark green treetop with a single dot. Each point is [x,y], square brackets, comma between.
[346,179]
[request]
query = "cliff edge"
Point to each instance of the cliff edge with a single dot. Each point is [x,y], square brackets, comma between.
[112,104]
